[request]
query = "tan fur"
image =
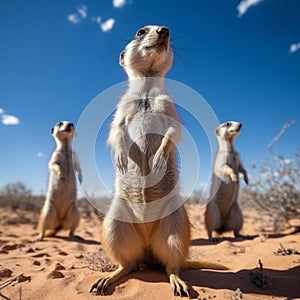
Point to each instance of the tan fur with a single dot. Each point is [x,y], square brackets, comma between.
[60,209]
[142,156]
[223,212]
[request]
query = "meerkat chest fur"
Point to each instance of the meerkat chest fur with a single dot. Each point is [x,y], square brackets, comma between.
[147,119]
[227,157]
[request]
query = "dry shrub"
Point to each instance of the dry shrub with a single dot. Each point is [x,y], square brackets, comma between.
[94,205]
[274,187]
[18,198]
[275,190]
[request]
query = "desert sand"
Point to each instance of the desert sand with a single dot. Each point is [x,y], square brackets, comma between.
[61,268]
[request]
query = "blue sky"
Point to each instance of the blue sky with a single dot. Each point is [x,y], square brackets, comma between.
[242,57]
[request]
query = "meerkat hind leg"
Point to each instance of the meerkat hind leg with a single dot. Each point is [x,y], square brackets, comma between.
[212,220]
[125,248]
[235,220]
[41,236]
[71,222]
[48,222]
[170,245]
[75,236]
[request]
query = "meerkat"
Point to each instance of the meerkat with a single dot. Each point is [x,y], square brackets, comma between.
[60,209]
[223,212]
[143,134]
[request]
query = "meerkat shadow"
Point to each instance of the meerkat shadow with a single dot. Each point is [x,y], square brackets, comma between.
[78,239]
[217,240]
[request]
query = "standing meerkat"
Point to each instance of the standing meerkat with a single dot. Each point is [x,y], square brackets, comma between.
[60,209]
[223,212]
[146,221]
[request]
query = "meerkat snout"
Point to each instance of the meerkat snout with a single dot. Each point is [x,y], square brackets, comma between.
[228,130]
[164,31]
[149,54]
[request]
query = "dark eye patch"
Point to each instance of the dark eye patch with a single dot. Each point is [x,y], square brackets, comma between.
[141,31]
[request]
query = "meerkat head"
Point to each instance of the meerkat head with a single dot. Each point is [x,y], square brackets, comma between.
[149,54]
[63,130]
[228,130]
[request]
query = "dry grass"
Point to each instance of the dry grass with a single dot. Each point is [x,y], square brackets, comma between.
[20,199]
[99,261]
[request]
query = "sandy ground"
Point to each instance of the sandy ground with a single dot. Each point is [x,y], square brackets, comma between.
[60,268]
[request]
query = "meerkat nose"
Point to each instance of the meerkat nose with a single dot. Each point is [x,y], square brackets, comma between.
[163,31]
[69,126]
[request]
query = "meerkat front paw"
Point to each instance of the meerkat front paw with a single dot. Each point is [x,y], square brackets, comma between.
[121,161]
[159,162]
[229,172]
[233,177]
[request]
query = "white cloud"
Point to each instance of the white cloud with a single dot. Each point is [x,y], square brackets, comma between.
[40,154]
[1,111]
[294,47]
[73,18]
[82,13]
[82,10]
[10,120]
[77,17]
[119,3]
[107,25]
[244,5]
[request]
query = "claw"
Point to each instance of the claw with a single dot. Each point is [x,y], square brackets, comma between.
[180,291]
[121,162]
[94,286]
[100,286]
[159,163]
[179,287]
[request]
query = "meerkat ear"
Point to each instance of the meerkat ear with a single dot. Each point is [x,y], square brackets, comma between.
[217,132]
[121,58]
[52,130]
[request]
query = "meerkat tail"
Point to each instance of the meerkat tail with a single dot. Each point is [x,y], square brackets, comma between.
[198,264]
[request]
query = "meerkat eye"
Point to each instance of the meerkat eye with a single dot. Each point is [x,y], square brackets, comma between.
[141,32]
[59,124]
[227,124]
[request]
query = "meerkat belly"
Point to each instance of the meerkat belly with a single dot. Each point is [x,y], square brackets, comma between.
[62,191]
[226,196]
[146,132]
